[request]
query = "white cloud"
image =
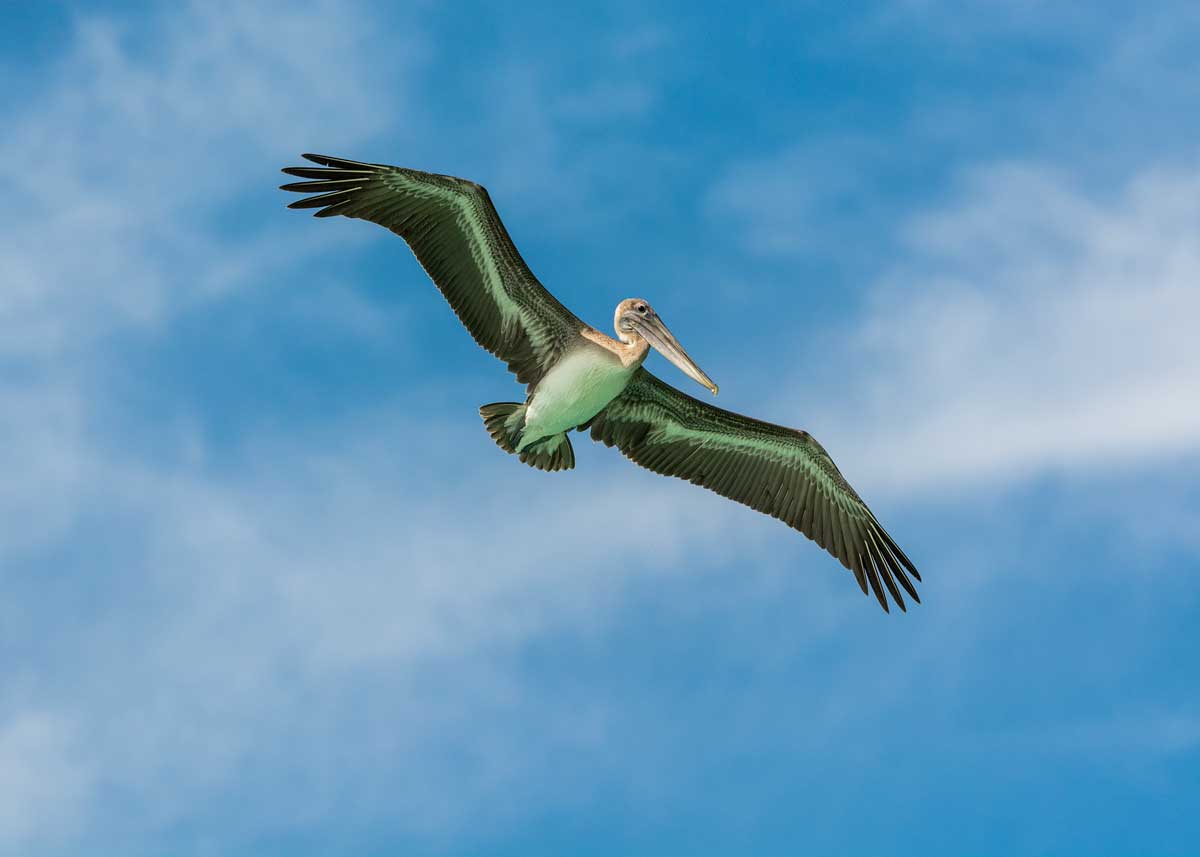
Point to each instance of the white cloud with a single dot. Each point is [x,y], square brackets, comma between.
[125,162]
[312,626]
[240,614]
[1033,318]
[1034,327]
[143,134]
[1029,322]
[125,158]
[270,599]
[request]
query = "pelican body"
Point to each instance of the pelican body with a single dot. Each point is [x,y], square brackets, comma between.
[578,378]
[593,370]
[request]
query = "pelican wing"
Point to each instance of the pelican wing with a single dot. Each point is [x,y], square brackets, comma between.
[457,236]
[779,471]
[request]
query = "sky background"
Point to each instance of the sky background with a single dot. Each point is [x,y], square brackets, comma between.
[267,587]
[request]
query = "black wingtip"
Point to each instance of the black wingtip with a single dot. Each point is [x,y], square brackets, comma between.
[310,202]
[877,587]
[339,163]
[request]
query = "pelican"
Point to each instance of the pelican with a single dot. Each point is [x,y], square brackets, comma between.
[578,378]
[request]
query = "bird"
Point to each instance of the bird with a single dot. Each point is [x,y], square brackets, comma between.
[578,378]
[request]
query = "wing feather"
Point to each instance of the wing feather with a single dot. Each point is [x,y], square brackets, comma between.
[457,236]
[779,471]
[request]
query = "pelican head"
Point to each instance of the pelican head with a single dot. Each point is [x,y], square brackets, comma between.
[635,319]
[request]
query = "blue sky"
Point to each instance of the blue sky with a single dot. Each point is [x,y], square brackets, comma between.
[267,587]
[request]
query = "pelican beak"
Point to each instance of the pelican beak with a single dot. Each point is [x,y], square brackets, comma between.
[656,333]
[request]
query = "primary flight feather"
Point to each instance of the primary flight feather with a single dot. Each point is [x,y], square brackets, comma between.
[579,378]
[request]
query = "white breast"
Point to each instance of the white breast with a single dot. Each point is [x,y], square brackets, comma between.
[574,391]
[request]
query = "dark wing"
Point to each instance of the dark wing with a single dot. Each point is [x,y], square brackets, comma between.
[456,235]
[779,471]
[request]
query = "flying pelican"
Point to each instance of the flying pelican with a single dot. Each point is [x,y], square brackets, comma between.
[579,378]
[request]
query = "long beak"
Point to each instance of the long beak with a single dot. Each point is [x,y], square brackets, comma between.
[668,346]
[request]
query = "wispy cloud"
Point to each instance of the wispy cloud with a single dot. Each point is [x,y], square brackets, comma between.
[126,160]
[1024,314]
[140,136]
[314,581]
[337,572]
[1037,327]
[326,622]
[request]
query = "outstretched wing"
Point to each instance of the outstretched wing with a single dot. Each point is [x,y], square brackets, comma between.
[456,234]
[778,471]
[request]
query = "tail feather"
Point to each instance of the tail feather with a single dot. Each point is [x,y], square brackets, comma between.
[551,453]
[505,422]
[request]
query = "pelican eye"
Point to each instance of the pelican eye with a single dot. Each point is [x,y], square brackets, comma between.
[641,308]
